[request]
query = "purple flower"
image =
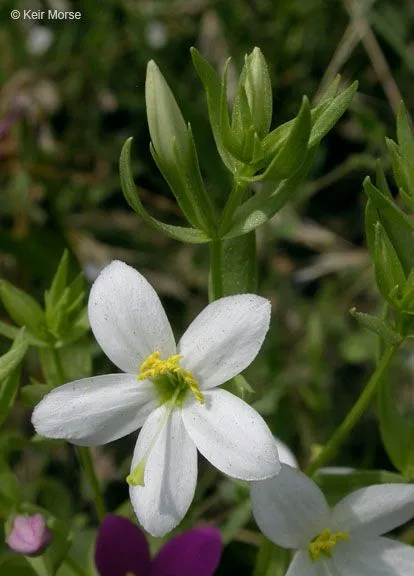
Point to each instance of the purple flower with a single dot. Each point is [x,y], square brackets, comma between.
[121,549]
[29,535]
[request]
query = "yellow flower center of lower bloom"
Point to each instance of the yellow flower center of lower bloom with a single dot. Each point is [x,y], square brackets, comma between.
[153,367]
[325,543]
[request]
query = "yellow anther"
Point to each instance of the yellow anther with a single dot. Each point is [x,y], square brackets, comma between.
[325,543]
[153,366]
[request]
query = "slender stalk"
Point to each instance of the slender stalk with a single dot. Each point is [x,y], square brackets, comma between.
[84,454]
[341,434]
[233,202]
[75,567]
[85,459]
[215,270]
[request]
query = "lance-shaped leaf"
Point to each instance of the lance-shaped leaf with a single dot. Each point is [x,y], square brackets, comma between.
[213,90]
[388,269]
[331,114]
[23,309]
[267,202]
[10,374]
[377,325]
[397,431]
[190,235]
[406,144]
[398,226]
[293,152]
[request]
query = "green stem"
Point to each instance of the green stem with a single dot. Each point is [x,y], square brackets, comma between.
[215,270]
[341,434]
[233,202]
[84,454]
[85,460]
[75,567]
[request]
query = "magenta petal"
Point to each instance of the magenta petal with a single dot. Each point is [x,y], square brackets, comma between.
[121,548]
[194,553]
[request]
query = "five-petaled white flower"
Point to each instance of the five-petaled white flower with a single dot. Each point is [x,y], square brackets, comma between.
[292,511]
[170,391]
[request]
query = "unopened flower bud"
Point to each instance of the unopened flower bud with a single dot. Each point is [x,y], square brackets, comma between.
[29,535]
[259,91]
[166,123]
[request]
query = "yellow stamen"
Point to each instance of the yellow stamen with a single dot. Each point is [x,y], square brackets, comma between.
[325,543]
[153,366]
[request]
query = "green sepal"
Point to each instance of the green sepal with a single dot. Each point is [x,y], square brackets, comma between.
[331,114]
[397,431]
[213,87]
[190,235]
[23,309]
[388,269]
[293,152]
[377,325]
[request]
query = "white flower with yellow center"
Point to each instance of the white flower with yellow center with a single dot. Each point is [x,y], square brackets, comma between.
[170,391]
[292,511]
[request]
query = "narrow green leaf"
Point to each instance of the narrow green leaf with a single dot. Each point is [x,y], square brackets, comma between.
[267,202]
[22,308]
[388,270]
[381,180]
[331,90]
[10,361]
[398,226]
[11,332]
[331,114]
[382,328]
[58,285]
[190,235]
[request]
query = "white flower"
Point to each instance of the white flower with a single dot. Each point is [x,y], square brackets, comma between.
[170,391]
[292,511]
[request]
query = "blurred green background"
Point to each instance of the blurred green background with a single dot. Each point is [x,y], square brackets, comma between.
[72,92]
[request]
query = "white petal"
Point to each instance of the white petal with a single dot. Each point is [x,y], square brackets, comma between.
[94,411]
[225,338]
[286,455]
[289,509]
[170,473]
[231,435]
[127,318]
[302,565]
[377,557]
[374,510]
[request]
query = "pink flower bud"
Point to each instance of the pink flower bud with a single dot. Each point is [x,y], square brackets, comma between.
[30,535]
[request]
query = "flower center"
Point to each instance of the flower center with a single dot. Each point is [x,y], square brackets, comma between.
[169,378]
[325,543]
